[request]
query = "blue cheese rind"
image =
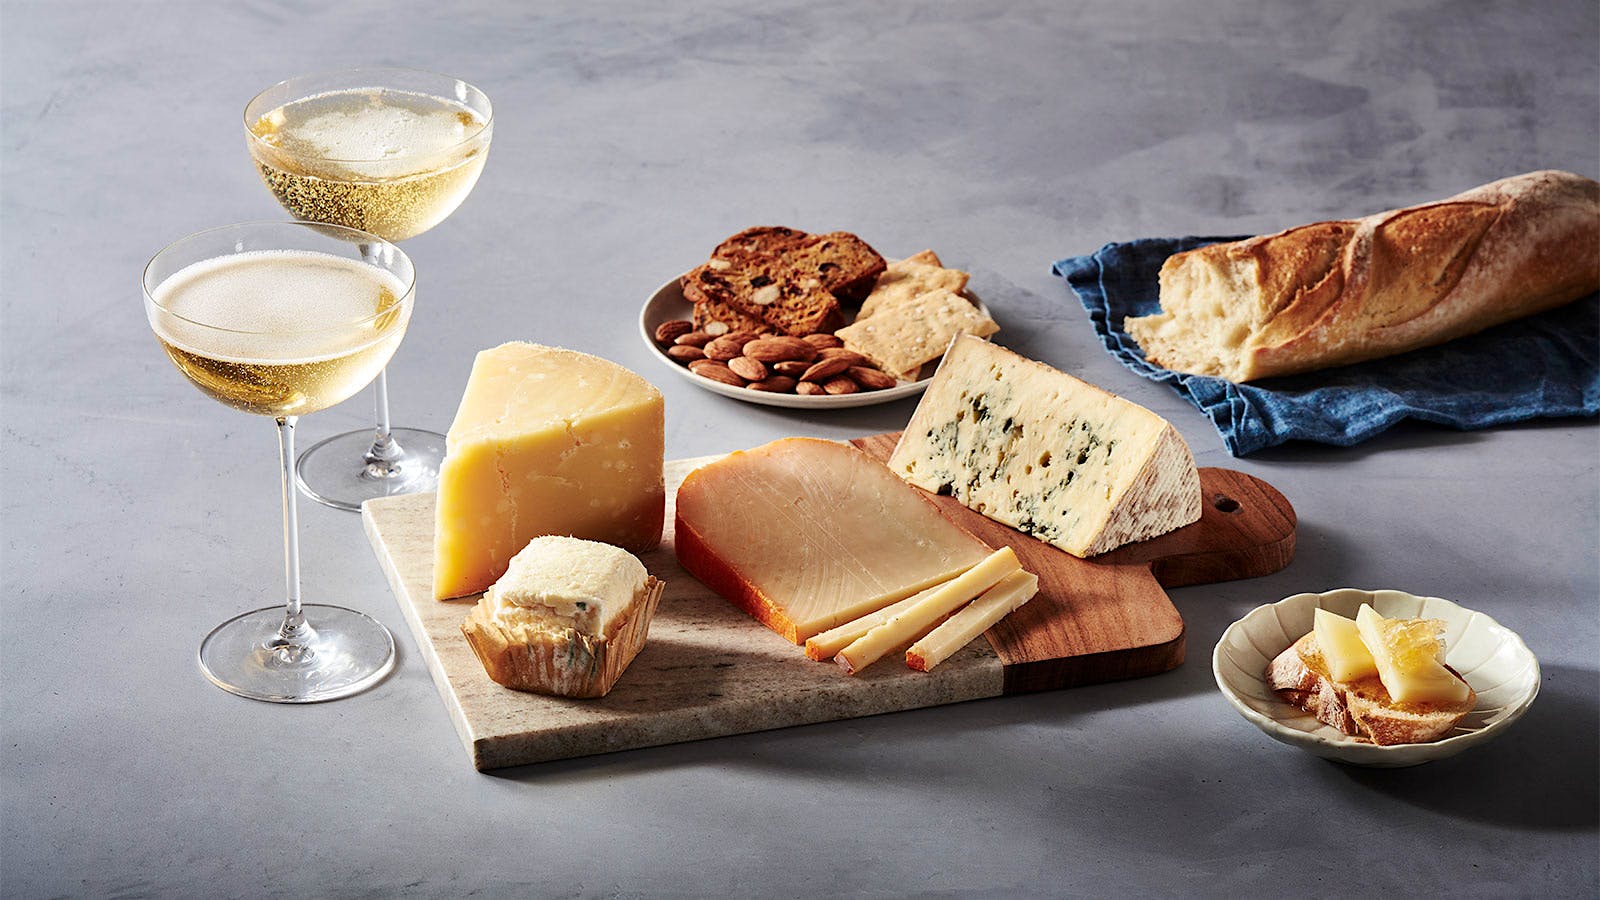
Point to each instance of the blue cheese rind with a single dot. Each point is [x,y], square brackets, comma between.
[1045,453]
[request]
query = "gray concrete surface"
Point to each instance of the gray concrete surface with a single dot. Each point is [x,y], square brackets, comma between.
[631,137]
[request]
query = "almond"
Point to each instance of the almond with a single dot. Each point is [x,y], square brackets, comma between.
[766,295]
[723,349]
[685,352]
[694,339]
[855,359]
[720,373]
[747,368]
[809,389]
[777,384]
[871,379]
[840,385]
[716,329]
[780,349]
[823,341]
[672,329]
[696,365]
[793,368]
[825,368]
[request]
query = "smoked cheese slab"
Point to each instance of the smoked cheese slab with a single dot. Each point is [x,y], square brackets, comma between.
[709,670]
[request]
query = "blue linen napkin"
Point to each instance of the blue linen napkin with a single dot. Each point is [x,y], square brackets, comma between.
[1543,366]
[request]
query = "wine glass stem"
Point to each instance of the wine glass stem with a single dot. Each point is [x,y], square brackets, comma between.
[384,450]
[294,633]
[384,454]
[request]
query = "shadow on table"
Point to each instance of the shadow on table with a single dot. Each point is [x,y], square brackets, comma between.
[1544,772]
[1407,434]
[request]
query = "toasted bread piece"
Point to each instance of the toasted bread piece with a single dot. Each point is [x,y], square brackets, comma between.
[844,265]
[1362,708]
[563,661]
[718,311]
[790,280]
[767,291]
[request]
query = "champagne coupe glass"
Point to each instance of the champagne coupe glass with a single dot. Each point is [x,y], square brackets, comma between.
[281,319]
[391,152]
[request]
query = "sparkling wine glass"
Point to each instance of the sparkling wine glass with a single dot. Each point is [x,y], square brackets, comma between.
[281,319]
[392,152]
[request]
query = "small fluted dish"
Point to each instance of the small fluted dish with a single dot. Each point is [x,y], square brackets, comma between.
[1492,659]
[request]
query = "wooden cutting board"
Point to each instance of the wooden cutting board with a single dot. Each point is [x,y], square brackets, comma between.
[709,670]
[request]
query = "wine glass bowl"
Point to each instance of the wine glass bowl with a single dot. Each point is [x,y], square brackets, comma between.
[389,151]
[279,319]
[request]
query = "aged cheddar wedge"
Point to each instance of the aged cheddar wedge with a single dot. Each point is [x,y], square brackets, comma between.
[806,534]
[547,441]
[957,631]
[828,644]
[917,620]
[1045,453]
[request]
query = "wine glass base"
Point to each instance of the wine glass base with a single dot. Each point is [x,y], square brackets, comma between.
[348,653]
[334,472]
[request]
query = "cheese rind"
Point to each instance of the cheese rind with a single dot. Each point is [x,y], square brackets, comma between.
[546,441]
[1046,453]
[960,629]
[805,534]
[926,613]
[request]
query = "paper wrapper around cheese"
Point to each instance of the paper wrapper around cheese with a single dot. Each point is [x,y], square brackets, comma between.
[566,663]
[1045,453]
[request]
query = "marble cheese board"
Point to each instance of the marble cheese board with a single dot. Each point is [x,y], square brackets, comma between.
[708,670]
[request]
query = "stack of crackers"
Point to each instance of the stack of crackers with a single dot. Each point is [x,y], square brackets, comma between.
[912,313]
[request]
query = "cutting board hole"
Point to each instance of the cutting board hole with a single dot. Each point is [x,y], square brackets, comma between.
[1225,503]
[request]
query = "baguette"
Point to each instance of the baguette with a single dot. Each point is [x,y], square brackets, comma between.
[1333,293]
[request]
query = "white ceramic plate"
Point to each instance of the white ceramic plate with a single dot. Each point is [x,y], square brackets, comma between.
[1493,660]
[667,303]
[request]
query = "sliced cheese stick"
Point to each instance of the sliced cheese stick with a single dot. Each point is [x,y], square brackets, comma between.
[827,644]
[995,603]
[920,617]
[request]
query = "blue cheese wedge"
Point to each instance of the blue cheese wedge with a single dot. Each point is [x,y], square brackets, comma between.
[1045,453]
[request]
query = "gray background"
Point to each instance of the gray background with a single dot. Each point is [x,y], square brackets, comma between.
[630,138]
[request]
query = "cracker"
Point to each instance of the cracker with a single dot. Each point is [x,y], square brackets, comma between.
[906,278]
[904,334]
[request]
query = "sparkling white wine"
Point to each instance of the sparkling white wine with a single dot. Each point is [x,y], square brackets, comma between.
[390,162]
[280,332]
